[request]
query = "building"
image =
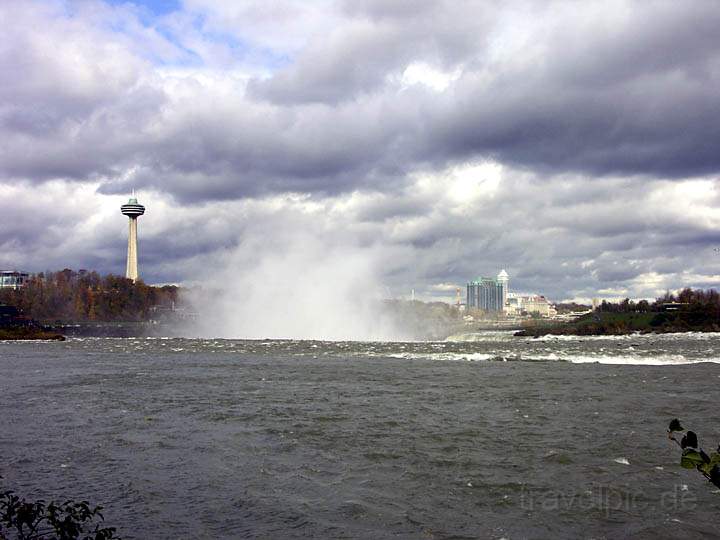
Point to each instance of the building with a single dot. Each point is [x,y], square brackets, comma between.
[132,210]
[12,279]
[493,295]
[504,280]
[530,304]
[513,306]
[538,305]
[488,294]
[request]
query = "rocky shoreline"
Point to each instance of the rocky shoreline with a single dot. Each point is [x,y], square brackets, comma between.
[618,324]
[14,326]
[21,333]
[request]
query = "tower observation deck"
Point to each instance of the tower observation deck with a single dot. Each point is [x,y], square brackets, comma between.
[132,210]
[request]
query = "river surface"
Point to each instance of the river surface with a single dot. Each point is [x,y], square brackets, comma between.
[486,436]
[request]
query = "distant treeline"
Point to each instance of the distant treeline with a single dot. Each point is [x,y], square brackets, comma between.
[688,299]
[570,307]
[688,311]
[86,296]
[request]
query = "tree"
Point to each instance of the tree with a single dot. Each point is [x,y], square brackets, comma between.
[86,296]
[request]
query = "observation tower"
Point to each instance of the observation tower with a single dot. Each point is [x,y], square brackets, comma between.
[133,210]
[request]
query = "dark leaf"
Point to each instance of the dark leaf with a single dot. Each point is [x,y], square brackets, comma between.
[715,475]
[689,440]
[710,462]
[690,459]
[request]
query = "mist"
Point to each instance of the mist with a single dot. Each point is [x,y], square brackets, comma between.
[297,285]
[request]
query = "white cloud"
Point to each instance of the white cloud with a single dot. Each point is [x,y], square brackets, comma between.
[422,73]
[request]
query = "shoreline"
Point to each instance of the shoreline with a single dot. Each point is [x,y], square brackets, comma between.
[535,333]
[622,324]
[29,334]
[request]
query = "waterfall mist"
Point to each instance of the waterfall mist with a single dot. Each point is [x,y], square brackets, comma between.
[296,286]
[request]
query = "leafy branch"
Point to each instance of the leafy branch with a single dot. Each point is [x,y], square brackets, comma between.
[694,457]
[23,520]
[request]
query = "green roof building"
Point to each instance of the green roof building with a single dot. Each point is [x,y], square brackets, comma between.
[488,294]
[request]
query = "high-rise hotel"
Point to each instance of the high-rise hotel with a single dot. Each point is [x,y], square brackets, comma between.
[488,294]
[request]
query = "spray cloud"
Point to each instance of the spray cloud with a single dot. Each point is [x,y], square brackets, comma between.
[297,284]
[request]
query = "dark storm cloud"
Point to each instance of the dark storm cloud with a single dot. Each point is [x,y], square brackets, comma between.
[379,40]
[316,149]
[632,93]
[623,89]
[381,209]
[656,132]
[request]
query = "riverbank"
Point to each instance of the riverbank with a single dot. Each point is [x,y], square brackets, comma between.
[125,329]
[20,333]
[609,324]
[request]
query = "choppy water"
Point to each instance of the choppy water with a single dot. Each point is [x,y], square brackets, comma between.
[498,437]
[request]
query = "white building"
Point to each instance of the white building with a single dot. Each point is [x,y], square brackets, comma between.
[504,281]
[530,304]
[12,279]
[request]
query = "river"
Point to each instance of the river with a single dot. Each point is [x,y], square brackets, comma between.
[482,436]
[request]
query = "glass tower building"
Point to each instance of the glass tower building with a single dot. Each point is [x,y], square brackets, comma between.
[488,294]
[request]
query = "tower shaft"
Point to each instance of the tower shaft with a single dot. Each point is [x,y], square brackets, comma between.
[133,210]
[132,262]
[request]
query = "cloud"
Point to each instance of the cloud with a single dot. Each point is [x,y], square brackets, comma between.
[527,224]
[362,102]
[575,145]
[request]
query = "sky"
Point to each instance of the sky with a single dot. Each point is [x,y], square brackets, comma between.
[574,144]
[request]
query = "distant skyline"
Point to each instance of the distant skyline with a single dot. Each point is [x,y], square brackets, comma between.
[574,144]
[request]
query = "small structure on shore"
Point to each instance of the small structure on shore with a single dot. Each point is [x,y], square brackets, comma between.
[12,279]
[15,326]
